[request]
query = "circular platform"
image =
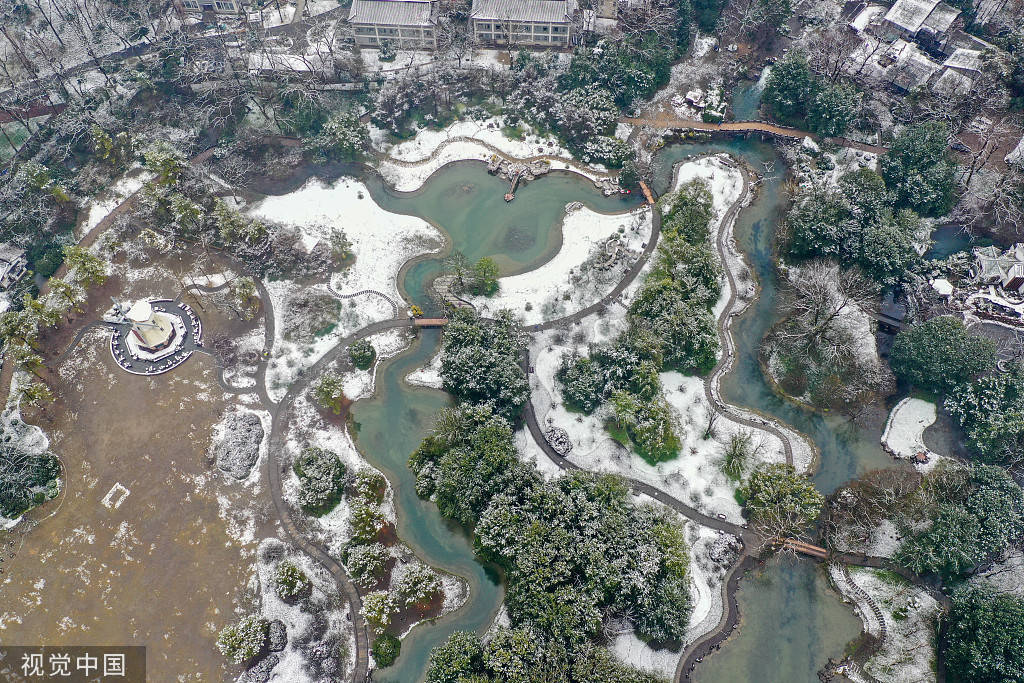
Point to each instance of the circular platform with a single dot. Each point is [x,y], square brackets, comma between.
[188,337]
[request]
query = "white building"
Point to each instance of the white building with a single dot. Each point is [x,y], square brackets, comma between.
[931,17]
[218,6]
[12,265]
[400,23]
[1017,155]
[524,22]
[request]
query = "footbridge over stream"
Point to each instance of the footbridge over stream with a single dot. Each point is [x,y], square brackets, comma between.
[763,127]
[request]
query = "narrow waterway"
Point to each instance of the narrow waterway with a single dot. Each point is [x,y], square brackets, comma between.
[791,623]
[389,426]
[788,609]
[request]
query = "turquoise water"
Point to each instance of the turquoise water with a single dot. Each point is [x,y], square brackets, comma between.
[469,205]
[791,623]
[788,611]
[389,426]
[847,450]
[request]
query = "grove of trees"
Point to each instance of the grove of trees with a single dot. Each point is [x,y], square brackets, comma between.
[984,637]
[670,328]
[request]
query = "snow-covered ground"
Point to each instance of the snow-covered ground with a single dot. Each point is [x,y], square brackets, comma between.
[381,241]
[693,477]
[100,207]
[907,653]
[427,376]
[540,294]
[358,383]
[903,435]
[326,621]
[429,150]
[1006,575]
[711,553]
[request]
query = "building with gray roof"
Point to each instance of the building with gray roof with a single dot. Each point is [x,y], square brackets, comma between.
[400,23]
[524,22]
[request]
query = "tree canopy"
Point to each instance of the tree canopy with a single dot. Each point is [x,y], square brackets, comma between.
[919,170]
[940,354]
[984,637]
[480,362]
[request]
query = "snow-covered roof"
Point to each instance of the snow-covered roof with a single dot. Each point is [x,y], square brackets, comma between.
[554,11]
[866,16]
[391,12]
[993,264]
[1017,155]
[910,15]
[967,60]
[941,18]
[952,83]
[140,311]
[914,68]
[942,286]
[10,253]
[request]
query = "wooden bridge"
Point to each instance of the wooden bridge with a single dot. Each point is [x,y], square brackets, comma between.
[647,193]
[763,127]
[802,548]
[430,322]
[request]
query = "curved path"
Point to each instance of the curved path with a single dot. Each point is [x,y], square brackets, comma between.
[729,621]
[712,386]
[274,468]
[582,169]
[369,292]
[730,616]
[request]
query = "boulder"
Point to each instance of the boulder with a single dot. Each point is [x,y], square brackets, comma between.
[239,446]
[260,672]
[277,636]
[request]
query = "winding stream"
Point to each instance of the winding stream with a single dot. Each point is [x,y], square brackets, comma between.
[787,610]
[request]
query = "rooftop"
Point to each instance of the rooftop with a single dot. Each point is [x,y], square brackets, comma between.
[10,253]
[968,60]
[394,12]
[524,10]
[952,83]
[910,15]
[941,18]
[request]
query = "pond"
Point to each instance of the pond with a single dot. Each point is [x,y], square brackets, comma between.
[791,623]
[788,611]
[468,204]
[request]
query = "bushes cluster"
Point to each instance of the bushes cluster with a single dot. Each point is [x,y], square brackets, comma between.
[670,328]
[321,480]
[795,96]
[362,354]
[560,542]
[480,362]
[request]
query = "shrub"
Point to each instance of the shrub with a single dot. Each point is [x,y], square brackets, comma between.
[321,480]
[290,582]
[386,649]
[366,563]
[418,586]
[370,485]
[366,522]
[329,392]
[242,641]
[362,354]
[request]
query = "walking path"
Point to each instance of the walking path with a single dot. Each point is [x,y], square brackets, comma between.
[582,169]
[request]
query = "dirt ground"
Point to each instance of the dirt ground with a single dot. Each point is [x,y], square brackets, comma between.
[170,565]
